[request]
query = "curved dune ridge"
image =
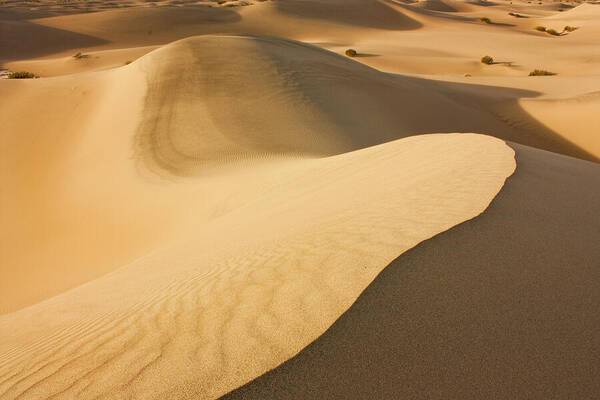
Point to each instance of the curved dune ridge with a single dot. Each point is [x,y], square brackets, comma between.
[505,306]
[236,247]
[301,100]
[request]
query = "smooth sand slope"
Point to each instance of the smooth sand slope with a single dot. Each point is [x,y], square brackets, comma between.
[496,307]
[230,249]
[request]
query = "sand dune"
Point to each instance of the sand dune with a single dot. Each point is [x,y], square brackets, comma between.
[495,307]
[171,316]
[212,190]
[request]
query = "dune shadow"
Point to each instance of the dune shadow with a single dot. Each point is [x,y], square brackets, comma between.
[508,120]
[23,39]
[415,8]
[482,3]
[497,307]
[367,13]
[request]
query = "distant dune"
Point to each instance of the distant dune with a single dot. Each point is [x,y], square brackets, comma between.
[217,198]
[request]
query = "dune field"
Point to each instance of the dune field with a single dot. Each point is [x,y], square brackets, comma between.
[299,199]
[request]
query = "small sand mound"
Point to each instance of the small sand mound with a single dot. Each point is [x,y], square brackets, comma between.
[435,5]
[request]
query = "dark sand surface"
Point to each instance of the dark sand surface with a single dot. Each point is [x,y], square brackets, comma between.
[505,306]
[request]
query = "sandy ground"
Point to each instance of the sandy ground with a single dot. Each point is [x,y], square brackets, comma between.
[204,190]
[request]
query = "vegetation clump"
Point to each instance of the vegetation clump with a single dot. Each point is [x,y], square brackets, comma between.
[487,60]
[80,55]
[570,28]
[485,20]
[21,75]
[540,28]
[541,72]
[516,15]
[553,32]
[351,53]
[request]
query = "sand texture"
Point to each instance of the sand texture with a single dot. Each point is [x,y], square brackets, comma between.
[209,198]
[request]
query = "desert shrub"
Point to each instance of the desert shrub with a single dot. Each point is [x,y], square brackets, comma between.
[540,28]
[570,28]
[487,60]
[21,75]
[485,20]
[541,72]
[553,32]
[80,55]
[351,53]
[516,15]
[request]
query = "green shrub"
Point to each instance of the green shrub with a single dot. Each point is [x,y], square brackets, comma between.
[21,75]
[351,53]
[487,60]
[541,72]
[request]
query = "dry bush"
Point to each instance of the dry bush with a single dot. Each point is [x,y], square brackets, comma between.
[553,32]
[351,53]
[21,75]
[487,60]
[541,72]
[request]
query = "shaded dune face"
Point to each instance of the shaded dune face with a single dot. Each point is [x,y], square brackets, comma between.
[214,99]
[365,13]
[436,5]
[22,39]
[501,306]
